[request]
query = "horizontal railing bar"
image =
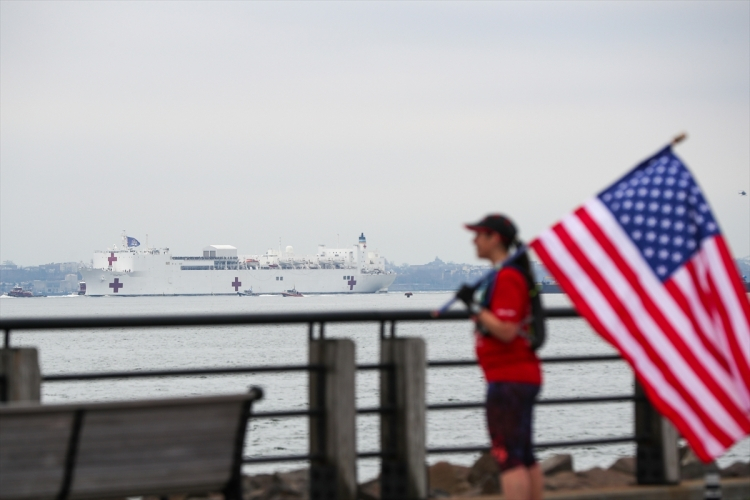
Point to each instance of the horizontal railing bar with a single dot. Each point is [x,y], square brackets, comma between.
[373,454]
[455,406]
[550,401]
[375,410]
[443,363]
[549,444]
[585,400]
[579,359]
[457,449]
[276,458]
[586,442]
[285,413]
[375,366]
[65,377]
[451,362]
[245,319]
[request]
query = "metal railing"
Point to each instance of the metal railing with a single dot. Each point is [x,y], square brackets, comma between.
[316,322]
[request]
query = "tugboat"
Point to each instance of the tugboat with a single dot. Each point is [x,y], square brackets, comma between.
[292,293]
[17,291]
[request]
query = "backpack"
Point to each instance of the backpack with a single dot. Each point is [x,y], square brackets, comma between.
[537,333]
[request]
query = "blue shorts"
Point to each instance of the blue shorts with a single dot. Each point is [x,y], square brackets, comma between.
[510,408]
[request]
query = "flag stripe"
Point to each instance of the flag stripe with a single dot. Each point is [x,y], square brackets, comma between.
[736,321]
[674,330]
[637,319]
[693,305]
[594,307]
[735,301]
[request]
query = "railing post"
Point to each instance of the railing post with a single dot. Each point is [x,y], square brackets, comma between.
[402,431]
[333,470]
[20,377]
[657,457]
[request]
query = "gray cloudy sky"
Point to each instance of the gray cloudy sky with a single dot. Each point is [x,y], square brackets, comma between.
[241,122]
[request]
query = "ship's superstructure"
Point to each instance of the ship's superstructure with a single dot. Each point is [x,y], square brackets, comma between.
[220,270]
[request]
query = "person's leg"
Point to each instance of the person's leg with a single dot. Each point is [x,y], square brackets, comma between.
[516,483]
[536,480]
[499,421]
[505,408]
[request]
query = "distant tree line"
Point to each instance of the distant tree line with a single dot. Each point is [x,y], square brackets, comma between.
[443,276]
[41,278]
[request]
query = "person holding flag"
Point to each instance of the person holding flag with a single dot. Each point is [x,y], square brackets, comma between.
[500,306]
[645,263]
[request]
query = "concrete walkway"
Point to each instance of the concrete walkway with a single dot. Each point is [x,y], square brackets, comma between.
[731,489]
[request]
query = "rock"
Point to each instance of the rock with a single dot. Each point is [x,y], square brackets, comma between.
[209,496]
[566,480]
[484,475]
[296,481]
[692,470]
[489,485]
[452,479]
[737,469]
[592,478]
[605,478]
[292,485]
[687,456]
[626,465]
[438,493]
[369,490]
[556,463]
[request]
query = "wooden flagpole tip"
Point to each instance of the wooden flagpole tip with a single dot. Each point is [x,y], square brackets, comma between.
[679,138]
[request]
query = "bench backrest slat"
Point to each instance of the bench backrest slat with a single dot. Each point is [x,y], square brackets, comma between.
[33,468]
[133,448]
[160,450]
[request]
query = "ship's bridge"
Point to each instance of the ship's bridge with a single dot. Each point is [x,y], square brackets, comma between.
[214,251]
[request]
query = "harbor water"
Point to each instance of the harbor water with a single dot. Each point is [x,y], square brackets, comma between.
[171,348]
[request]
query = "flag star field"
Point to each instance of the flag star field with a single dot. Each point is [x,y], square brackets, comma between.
[661,208]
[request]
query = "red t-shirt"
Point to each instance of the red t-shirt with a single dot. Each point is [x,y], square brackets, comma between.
[512,361]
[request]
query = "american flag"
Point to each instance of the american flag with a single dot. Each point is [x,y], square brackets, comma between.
[645,263]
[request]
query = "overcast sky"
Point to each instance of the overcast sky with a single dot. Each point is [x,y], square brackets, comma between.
[244,122]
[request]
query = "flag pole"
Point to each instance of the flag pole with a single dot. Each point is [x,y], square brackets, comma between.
[679,138]
[520,250]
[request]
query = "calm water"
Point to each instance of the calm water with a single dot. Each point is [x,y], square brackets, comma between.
[148,349]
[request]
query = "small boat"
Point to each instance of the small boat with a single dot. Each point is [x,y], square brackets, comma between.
[247,293]
[82,288]
[17,291]
[292,293]
[408,294]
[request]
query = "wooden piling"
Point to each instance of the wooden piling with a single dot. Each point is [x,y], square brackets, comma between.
[657,457]
[20,377]
[333,473]
[402,431]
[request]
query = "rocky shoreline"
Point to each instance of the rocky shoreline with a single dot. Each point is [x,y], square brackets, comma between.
[450,480]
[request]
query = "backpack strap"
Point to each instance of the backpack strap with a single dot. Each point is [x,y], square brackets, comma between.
[537,332]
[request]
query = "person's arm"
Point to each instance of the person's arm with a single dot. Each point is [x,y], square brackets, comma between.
[505,331]
[502,318]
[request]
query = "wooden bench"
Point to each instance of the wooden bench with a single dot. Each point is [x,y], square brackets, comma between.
[133,448]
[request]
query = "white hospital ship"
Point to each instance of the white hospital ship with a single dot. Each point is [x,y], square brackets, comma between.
[221,271]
